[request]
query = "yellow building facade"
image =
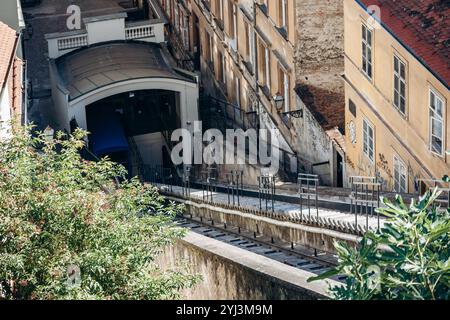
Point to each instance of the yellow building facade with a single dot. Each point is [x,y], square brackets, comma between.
[396,107]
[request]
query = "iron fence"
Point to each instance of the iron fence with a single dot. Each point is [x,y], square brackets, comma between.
[266,192]
[235,187]
[365,198]
[308,193]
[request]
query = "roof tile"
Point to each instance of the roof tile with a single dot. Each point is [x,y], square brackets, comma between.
[7,46]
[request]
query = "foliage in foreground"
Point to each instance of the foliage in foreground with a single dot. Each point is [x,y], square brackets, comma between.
[59,213]
[409,259]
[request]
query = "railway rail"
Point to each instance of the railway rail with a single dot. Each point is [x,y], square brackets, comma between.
[288,253]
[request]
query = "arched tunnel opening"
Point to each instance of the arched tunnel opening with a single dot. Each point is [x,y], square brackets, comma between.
[134,128]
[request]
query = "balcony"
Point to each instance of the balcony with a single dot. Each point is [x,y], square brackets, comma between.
[103,29]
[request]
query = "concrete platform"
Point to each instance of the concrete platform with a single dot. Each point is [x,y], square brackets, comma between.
[287,208]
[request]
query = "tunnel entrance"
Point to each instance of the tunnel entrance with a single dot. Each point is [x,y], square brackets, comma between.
[134,128]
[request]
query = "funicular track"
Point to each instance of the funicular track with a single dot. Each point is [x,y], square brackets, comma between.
[287,253]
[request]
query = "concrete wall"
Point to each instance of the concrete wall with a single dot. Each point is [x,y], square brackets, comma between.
[231,273]
[105,30]
[150,147]
[59,117]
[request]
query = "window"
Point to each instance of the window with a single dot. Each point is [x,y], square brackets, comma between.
[221,75]
[283,88]
[400,176]
[232,20]
[237,91]
[282,10]
[264,64]
[367,51]
[368,140]
[185,31]
[169,8]
[436,123]
[249,46]
[208,50]
[219,11]
[176,18]
[400,85]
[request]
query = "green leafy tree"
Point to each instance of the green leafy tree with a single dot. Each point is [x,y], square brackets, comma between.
[409,259]
[67,231]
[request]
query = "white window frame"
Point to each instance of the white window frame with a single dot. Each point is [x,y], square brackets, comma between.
[434,116]
[368,141]
[365,49]
[400,80]
[400,175]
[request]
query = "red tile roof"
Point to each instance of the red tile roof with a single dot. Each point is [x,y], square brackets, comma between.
[423,26]
[7,51]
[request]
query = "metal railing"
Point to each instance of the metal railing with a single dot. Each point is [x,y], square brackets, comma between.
[266,192]
[209,184]
[235,187]
[308,193]
[186,182]
[365,198]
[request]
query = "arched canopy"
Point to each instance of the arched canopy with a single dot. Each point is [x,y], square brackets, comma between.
[90,69]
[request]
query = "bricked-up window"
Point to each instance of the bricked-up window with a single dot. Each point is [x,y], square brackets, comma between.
[436,123]
[399,85]
[368,140]
[352,107]
[367,38]
[400,176]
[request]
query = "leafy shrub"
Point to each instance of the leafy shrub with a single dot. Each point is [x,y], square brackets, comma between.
[58,210]
[408,259]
